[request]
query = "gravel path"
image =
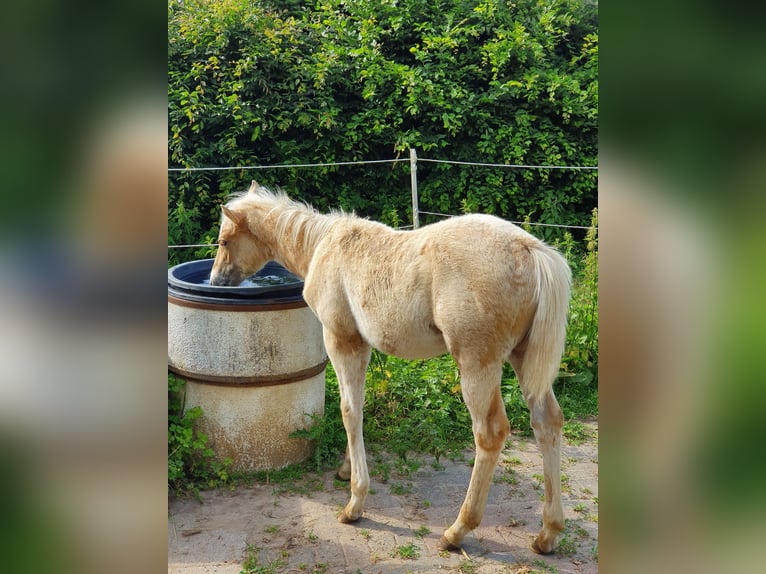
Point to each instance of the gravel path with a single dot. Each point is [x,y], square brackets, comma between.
[293,528]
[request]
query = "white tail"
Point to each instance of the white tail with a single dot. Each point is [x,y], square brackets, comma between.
[547,335]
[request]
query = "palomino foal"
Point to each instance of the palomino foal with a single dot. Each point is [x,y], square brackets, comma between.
[475,286]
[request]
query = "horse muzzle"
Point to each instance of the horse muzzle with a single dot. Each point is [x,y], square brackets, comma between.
[226,277]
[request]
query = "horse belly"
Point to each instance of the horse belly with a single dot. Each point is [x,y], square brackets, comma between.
[421,348]
[417,345]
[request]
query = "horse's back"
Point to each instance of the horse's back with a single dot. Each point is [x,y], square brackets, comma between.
[481,251]
[415,293]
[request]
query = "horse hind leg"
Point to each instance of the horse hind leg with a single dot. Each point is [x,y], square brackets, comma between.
[481,393]
[547,421]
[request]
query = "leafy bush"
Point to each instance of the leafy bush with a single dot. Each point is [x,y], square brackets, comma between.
[415,406]
[581,356]
[327,431]
[287,82]
[191,463]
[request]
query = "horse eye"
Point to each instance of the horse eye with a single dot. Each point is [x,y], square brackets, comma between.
[222,243]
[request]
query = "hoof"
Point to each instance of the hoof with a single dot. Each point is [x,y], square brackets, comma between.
[340,475]
[445,544]
[536,547]
[344,518]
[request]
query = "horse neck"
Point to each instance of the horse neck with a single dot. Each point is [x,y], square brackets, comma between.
[295,236]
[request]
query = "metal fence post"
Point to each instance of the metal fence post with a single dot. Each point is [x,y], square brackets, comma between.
[414,181]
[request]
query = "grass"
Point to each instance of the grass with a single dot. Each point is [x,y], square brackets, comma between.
[399,488]
[251,565]
[507,477]
[407,551]
[547,568]
[575,432]
[570,538]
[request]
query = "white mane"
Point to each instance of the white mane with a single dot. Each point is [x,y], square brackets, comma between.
[292,216]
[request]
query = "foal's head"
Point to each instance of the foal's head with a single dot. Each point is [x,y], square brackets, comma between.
[240,253]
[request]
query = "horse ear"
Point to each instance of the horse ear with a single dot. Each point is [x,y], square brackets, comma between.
[253,187]
[237,218]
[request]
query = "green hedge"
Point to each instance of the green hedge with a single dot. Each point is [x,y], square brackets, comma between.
[262,83]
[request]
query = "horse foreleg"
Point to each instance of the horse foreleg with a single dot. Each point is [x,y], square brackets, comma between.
[350,356]
[490,429]
[547,420]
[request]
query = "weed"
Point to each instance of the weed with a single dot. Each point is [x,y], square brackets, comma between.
[422,532]
[513,522]
[382,470]
[311,536]
[271,529]
[580,361]
[399,488]
[548,568]
[416,406]
[327,432]
[364,533]
[515,405]
[251,560]
[191,462]
[436,465]
[466,567]
[292,479]
[407,551]
[508,477]
[580,531]
[579,507]
[405,468]
[251,566]
[567,546]
[575,432]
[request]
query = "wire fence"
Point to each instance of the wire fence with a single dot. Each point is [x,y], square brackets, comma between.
[413,161]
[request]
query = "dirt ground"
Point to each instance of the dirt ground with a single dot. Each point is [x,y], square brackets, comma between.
[293,528]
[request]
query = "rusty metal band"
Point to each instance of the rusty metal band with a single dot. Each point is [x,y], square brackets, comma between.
[253,381]
[245,308]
